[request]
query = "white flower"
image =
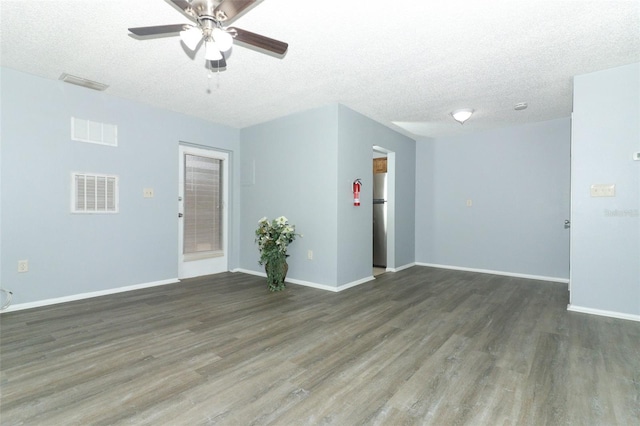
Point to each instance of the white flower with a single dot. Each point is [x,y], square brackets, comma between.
[274,237]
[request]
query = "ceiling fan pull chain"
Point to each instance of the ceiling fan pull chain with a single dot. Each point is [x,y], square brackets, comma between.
[209,76]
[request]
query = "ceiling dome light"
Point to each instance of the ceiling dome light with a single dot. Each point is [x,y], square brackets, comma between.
[462,115]
[520,106]
[211,52]
[223,39]
[191,37]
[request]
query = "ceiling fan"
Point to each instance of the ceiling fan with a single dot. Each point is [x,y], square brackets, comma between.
[209,17]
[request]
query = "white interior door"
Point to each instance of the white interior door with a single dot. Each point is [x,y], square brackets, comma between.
[203,222]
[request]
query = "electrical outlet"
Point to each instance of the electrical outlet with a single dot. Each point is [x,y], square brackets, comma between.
[23,266]
[147,192]
[310,255]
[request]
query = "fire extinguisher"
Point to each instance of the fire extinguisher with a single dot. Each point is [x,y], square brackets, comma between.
[357,184]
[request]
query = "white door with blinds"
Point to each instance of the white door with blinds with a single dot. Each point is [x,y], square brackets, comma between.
[202,217]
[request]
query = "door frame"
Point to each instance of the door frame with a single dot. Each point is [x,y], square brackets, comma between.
[196,267]
[391,206]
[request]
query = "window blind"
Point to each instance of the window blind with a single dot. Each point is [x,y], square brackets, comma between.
[202,205]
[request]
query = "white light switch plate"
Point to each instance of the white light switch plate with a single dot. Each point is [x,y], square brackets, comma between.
[603,190]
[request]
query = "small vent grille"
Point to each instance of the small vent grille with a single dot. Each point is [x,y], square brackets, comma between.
[94,132]
[89,84]
[93,193]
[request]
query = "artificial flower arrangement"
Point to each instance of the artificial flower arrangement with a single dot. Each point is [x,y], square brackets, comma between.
[273,238]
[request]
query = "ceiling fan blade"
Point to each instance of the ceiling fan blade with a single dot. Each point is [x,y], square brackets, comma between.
[186,8]
[182,4]
[158,29]
[228,9]
[259,41]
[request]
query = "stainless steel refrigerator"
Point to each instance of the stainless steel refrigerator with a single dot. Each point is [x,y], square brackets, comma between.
[380,220]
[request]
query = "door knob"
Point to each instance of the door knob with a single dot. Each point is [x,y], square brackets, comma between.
[180,214]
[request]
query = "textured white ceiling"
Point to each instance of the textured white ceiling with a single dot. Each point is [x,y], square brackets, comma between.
[402,61]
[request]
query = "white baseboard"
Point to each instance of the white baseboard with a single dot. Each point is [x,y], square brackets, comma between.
[311,284]
[47,302]
[488,271]
[250,272]
[603,313]
[355,283]
[80,296]
[400,268]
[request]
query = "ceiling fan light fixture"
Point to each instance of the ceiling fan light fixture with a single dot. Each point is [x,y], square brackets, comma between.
[208,17]
[223,39]
[191,37]
[462,115]
[211,52]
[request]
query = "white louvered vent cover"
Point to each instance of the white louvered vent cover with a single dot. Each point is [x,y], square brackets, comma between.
[94,193]
[94,132]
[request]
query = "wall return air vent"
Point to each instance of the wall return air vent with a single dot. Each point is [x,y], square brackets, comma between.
[94,193]
[94,132]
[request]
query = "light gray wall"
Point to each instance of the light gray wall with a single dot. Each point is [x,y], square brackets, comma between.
[518,180]
[68,253]
[300,166]
[357,136]
[605,258]
[425,201]
[295,164]
[304,166]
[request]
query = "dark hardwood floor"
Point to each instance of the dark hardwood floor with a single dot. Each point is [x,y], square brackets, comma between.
[420,346]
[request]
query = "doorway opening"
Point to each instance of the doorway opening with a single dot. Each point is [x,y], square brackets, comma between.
[383,220]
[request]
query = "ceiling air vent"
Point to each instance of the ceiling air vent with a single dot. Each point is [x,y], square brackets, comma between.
[79,81]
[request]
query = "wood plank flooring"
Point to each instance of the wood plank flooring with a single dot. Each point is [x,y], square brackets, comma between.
[418,347]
